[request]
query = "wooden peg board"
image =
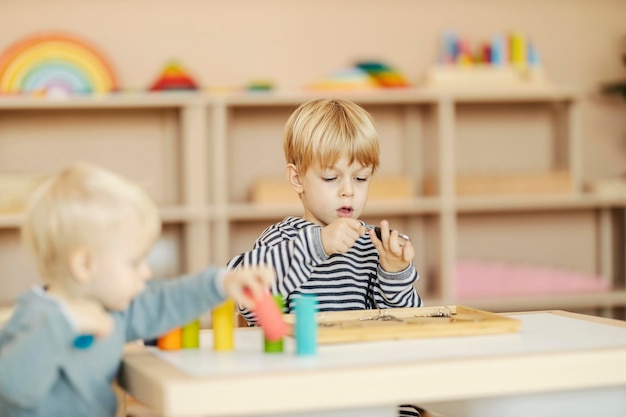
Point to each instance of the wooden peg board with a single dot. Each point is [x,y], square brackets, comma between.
[358,326]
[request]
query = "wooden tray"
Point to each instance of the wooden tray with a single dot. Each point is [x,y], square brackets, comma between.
[411,323]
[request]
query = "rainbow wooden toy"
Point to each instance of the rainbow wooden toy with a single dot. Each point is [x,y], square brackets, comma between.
[174,77]
[54,63]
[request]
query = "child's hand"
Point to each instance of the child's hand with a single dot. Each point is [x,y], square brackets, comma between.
[340,235]
[91,318]
[245,285]
[395,253]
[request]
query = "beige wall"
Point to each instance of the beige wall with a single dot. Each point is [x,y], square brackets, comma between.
[295,42]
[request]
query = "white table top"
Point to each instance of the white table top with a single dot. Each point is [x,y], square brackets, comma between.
[552,351]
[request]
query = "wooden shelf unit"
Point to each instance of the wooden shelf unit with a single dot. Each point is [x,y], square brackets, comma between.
[210,152]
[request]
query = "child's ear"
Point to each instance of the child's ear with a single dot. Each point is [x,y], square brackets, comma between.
[81,264]
[294,178]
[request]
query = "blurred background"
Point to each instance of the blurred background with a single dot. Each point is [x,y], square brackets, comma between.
[501,246]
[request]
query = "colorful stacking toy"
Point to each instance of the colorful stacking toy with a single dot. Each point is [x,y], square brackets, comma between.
[362,76]
[384,75]
[174,77]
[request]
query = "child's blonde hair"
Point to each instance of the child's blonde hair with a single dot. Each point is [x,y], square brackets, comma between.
[323,130]
[81,206]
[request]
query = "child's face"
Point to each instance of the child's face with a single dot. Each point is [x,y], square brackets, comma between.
[120,267]
[330,193]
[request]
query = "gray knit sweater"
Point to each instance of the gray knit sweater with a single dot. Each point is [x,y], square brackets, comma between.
[42,374]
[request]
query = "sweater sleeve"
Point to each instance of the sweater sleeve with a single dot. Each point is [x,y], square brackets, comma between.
[292,257]
[397,289]
[169,303]
[27,372]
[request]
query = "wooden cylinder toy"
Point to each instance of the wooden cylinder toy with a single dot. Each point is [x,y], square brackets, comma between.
[306,325]
[270,318]
[191,335]
[518,49]
[172,340]
[275,346]
[224,326]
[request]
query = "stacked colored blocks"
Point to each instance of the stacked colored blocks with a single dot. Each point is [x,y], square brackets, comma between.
[174,77]
[384,75]
[54,63]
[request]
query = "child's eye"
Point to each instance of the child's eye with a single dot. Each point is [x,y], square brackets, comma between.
[362,179]
[329,179]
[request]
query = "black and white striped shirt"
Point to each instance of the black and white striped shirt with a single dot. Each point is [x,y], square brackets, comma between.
[343,281]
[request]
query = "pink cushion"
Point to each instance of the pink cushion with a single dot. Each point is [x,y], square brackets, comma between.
[477,279]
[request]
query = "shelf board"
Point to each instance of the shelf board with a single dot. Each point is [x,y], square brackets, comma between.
[399,96]
[289,98]
[512,203]
[615,298]
[104,101]
[169,214]
[508,94]
[417,206]
[522,93]
[10,220]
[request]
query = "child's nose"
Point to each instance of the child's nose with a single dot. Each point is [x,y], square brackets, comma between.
[347,189]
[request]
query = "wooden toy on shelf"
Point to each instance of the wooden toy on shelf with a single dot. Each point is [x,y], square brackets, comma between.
[173,77]
[383,74]
[346,79]
[365,75]
[54,64]
[260,85]
[506,61]
[551,182]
